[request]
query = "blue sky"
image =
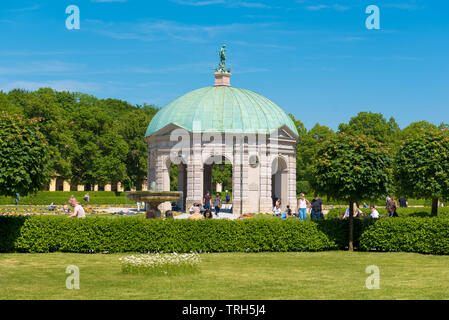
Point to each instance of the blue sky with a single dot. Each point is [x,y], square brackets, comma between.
[314,58]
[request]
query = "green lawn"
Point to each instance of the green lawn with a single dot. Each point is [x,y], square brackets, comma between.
[314,275]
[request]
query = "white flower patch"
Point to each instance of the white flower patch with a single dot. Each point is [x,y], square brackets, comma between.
[161,264]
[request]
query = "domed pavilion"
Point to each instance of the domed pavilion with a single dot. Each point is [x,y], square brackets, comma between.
[221,123]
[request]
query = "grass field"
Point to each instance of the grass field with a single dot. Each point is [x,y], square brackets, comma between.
[317,275]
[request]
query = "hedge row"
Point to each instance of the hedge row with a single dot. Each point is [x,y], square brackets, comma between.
[423,235]
[136,234]
[61,197]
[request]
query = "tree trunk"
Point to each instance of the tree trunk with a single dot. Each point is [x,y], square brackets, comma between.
[434,207]
[351,226]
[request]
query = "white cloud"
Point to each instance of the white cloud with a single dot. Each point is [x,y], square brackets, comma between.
[39,67]
[163,30]
[336,7]
[108,0]
[199,3]
[227,3]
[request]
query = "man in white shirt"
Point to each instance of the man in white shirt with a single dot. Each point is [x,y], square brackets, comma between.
[78,211]
[374,213]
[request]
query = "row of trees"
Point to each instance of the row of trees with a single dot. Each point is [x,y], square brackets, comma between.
[95,141]
[372,125]
[88,140]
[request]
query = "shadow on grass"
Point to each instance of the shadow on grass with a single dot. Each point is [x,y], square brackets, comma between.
[9,231]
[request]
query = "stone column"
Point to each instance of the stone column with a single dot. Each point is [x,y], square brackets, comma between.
[292,182]
[52,186]
[80,187]
[237,200]
[265,176]
[195,174]
[96,187]
[119,187]
[65,185]
[107,187]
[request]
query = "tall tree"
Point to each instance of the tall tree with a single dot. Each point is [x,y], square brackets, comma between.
[422,166]
[350,169]
[24,158]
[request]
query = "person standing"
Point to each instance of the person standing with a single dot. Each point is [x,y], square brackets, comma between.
[317,209]
[17,198]
[206,200]
[217,204]
[403,203]
[86,199]
[303,204]
[391,208]
[78,210]
[387,199]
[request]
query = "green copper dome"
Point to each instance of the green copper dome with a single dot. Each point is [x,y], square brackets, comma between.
[222,109]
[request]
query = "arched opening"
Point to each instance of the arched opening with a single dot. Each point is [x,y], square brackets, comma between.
[217,179]
[59,184]
[279,181]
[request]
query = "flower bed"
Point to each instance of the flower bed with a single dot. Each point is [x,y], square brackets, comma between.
[161,264]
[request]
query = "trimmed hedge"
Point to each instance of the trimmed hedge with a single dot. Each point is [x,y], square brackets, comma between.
[50,233]
[422,235]
[136,234]
[61,197]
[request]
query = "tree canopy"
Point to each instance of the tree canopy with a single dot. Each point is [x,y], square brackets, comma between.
[24,155]
[90,140]
[422,165]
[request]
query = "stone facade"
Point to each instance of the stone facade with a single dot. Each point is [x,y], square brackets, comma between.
[259,163]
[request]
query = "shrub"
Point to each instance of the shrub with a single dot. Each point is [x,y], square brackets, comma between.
[422,235]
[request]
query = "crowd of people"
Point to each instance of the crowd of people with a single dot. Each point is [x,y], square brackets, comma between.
[204,210]
[78,210]
[315,207]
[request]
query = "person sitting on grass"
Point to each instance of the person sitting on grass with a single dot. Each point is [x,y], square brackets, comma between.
[356,212]
[374,213]
[78,210]
[286,214]
[208,214]
[277,209]
[196,215]
[51,207]
[168,214]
